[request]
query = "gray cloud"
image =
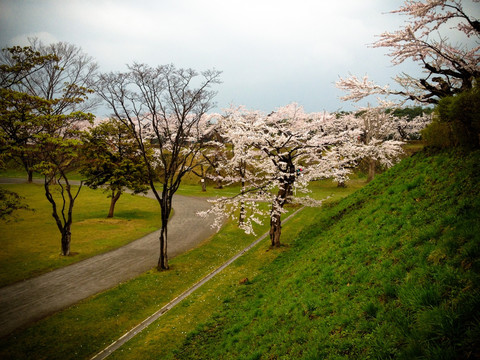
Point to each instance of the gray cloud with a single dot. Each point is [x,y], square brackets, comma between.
[271,52]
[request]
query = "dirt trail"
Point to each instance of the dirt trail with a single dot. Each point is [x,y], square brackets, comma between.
[30,300]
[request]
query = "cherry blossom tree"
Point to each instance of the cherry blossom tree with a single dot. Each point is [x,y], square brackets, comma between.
[378,132]
[410,128]
[212,153]
[449,66]
[163,108]
[275,156]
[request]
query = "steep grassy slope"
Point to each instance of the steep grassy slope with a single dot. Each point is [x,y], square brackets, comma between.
[389,272]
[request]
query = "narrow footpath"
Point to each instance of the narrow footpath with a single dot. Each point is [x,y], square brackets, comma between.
[33,299]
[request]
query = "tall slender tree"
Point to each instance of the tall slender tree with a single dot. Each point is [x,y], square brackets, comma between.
[60,152]
[163,107]
[46,96]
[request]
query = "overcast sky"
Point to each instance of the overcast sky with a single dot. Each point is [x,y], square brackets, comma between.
[271,53]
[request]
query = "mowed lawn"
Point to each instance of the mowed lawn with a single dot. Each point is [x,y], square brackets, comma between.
[30,243]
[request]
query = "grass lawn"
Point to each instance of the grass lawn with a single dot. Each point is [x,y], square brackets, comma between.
[319,189]
[31,242]
[166,335]
[391,272]
[94,323]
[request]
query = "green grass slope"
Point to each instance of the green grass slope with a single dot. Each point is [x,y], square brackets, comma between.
[389,272]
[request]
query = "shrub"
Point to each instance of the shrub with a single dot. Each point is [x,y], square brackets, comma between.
[457,121]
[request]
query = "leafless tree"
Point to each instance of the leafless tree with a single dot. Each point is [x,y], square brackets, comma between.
[163,107]
[70,75]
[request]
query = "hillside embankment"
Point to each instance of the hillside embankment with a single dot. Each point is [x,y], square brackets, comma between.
[391,271]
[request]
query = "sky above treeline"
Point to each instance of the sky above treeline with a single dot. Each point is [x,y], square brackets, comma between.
[271,53]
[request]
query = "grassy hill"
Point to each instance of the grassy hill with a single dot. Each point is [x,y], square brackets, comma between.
[392,271]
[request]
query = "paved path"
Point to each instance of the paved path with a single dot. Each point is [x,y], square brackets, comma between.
[33,299]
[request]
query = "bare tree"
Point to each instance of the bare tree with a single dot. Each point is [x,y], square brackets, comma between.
[70,75]
[163,107]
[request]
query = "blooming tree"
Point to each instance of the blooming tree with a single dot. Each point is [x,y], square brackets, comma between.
[378,132]
[408,129]
[212,153]
[275,156]
[449,67]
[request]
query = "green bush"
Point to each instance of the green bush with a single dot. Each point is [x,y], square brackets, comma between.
[438,134]
[457,121]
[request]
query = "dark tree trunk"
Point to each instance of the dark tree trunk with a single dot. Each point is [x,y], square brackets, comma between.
[204,185]
[275,229]
[115,197]
[275,214]
[163,260]
[243,213]
[30,176]
[66,239]
[65,226]
[284,192]
[166,207]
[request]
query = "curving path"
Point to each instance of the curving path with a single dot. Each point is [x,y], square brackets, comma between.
[30,300]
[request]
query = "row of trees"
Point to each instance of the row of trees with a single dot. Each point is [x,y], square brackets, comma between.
[46,126]
[160,128]
[275,156]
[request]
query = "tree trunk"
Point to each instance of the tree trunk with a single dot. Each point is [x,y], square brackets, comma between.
[66,239]
[285,190]
[163,260]
[30,176]
[243,213]
[371,169]
[275,214]
[114,200]
[166,207]
[241,217]
[275,229]
[204,185]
